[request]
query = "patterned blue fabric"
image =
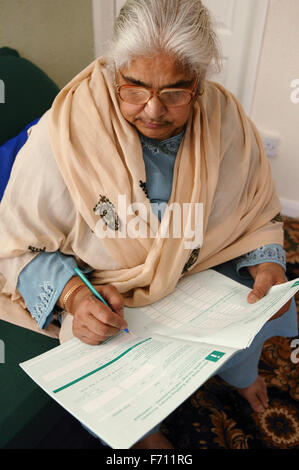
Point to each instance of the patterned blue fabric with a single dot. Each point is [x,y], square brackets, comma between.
[42,281]
[159,159]
[41,291]
[8,153]
[265,254]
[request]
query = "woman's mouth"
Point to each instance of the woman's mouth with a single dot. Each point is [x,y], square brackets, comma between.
[153,125]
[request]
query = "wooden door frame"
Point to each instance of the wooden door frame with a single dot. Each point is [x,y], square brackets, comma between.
[260,9]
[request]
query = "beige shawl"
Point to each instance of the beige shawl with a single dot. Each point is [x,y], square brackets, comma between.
[83,153]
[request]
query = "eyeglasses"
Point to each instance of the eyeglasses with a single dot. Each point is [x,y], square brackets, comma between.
[170,97]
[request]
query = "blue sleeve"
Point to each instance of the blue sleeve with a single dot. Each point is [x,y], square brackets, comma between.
[273,253]
[8,153]
[41,282]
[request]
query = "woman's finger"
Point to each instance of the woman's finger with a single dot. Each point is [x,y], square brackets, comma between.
[112,297]
[102,313]
[98,327]
[87,336]
[105,314]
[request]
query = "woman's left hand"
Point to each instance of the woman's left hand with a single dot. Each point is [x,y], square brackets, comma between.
[266,275]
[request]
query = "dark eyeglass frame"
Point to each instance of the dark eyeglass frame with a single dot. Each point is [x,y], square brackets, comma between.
[152,92]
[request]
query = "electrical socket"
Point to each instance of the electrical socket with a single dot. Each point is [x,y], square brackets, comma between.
[271,143]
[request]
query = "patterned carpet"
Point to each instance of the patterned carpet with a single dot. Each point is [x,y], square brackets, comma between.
[217,417]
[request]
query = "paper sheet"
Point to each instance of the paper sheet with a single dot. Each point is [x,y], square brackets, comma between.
[122,388]
[211,308]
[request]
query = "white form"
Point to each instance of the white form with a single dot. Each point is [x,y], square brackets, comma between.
[122,388]
[121,392]
[212,308]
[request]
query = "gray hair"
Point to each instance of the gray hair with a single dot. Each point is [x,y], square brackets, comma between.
[182,28]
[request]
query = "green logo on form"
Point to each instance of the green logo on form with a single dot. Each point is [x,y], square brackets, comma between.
[215,356]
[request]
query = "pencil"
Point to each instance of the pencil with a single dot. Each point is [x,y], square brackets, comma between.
[92,289]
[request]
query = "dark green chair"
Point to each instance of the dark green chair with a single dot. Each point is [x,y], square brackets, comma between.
[26,90]
[29,418]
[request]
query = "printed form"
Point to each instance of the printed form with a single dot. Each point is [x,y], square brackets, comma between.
[125,386]
[208,307]
[121,389]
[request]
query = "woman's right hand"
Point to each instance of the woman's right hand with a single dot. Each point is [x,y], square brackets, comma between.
[94,322]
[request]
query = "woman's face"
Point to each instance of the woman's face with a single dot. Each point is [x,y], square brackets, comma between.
[154,119]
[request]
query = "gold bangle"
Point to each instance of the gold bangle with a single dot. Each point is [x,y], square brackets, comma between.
[69,293]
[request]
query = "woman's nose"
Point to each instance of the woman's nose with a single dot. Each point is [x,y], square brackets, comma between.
[154,108]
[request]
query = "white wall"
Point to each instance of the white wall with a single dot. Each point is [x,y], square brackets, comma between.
[273,111]
[55,35]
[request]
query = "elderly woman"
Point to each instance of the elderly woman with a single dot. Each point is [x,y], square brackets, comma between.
[145,123]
